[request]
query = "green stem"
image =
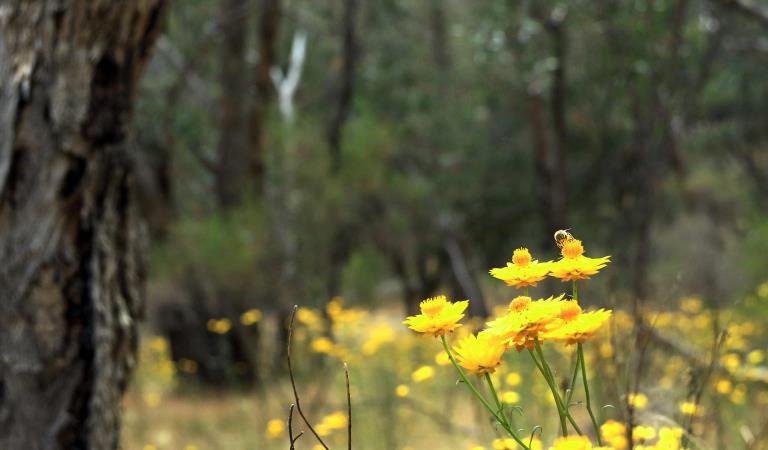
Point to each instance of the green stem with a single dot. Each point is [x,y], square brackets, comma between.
[575,291]
[573,382]
[580,351]
[553,387]
[525,291]
[480,397]
[555,396]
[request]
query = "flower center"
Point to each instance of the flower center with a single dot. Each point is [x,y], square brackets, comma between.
[570,310]
[521,257]
[433,306]
[572,249]
[520,303]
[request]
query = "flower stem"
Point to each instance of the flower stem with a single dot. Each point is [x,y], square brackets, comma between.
[573,382]
[580,351]
[555,396]
[479,396]
[562,408]
[575,291]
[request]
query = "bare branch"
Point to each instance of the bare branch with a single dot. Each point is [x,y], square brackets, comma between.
[293,381]
[290,429]
[349,408]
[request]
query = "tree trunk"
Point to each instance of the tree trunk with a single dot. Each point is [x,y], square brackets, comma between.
[268,34]
[70,238]
[232,163]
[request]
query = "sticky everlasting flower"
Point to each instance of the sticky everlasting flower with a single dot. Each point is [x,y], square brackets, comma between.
[525,321]
[522,271]
[479,354]
[438,316]
[578,329]
[574,265]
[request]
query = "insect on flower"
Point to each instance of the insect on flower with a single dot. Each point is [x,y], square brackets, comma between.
[561,236]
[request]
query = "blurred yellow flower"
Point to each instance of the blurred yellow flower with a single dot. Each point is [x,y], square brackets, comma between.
[275,428]
[691,305]
[523,271]
[637,400]
[724,386]
[219,326]
[479,354]
[614,433]
[331,422]
[572,443]
[643,433]
[438,316]
[510,397]
[513,379]
[574,265]
[442,358]
[380,335]
[402,391]
[250,317]
[423,373]
[755,357]
[688,408]
[322,345]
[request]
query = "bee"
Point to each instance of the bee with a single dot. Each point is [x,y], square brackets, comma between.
[561,236]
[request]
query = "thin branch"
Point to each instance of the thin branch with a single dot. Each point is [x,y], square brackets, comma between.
[349,408]
[293,381]
[290,429]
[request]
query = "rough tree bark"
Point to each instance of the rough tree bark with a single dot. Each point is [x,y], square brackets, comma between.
[70,239]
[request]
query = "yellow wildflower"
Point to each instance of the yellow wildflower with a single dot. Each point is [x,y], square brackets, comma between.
[523,271]
[510,397]
[275,428]
[572,443]
[574,265]
[514,379]
[637,400]
[525,321]
[479,354]
[579,329]
[643,433]
[322,345]
[614,434]
[402,390]
[250,317]
[423,373]
[442,358]
[334,421]
[688,408]
[438,316]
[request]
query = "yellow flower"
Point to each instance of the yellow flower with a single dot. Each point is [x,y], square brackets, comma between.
[525,321]
[514,379]
[442,358]
[637,400]
[574,265]
[402,390]
[579,329]
[510,397]
[724,386]
[438,316]
[334,421]
[322,345]
[523,271]
[572,443]
[250,317]
[275,428]
[423,373]
[643,433]
[479,354]
[688,408]
[614,434]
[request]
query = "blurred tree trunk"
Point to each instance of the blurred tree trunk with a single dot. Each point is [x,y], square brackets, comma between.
[269,27]
[71,241]
[232,163]
[341,239]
